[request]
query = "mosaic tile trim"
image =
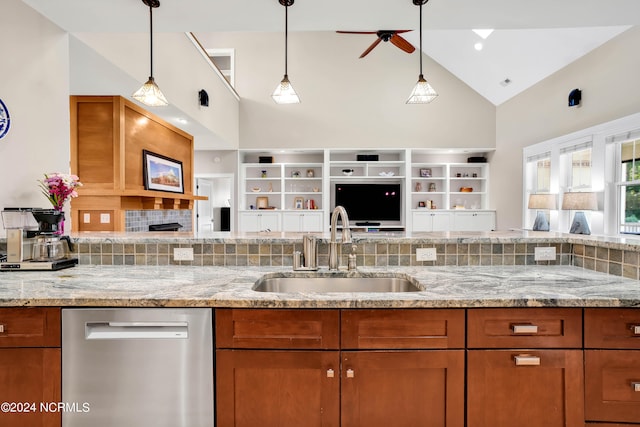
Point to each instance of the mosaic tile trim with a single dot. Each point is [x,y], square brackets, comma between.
[136,221]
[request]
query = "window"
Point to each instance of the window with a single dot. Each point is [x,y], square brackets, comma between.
[629,187]
[576,164]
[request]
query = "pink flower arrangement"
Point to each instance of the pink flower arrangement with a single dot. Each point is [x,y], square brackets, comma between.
[59,187]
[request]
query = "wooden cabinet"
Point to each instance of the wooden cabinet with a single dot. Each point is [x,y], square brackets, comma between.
[30,366]
[406,368]
[285,367]
[525,364]
[612,372]
[108,136]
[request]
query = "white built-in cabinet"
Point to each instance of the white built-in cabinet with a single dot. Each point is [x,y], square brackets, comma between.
[280,191]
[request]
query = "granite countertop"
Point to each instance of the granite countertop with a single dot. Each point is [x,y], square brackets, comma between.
[188,286]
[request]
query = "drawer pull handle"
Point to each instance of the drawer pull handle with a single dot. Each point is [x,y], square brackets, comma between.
[636,386]
[635,329]
[526,360]
[1,328]
[350,373]
[524,329]
[330,373]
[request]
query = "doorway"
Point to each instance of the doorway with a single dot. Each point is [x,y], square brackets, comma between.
[214,214]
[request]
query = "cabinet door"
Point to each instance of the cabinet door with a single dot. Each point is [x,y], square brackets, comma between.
[302,221]
[431,221]
[259,221]
[474,221]
[403,388]
[271,388]
[29,377]
[612,385]
[536,388]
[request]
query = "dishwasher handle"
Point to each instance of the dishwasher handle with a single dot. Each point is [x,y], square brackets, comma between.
[136,330]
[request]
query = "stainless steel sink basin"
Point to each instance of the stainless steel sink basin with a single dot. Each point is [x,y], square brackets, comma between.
[333,283]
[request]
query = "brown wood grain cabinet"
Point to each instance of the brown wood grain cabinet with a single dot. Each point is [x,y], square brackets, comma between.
[525,367]
[287,367]
[30,366]
[612,365]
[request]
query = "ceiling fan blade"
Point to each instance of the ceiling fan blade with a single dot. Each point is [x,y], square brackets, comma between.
[402,43]
[356,32]
[370,48]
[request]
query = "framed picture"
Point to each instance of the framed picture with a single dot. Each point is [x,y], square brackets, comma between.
[425,173]
[161,173]
[298,203]
[262,202]
[422,205]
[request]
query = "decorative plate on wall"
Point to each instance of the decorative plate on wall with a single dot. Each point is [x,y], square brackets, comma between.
[5,120]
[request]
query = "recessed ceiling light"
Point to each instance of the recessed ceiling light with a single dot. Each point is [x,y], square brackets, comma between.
[478,46]
[505,82]
[484,33]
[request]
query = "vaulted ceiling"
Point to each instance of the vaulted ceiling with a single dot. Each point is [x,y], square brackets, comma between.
[532,39]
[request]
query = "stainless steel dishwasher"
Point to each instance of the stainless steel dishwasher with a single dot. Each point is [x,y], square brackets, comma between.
[138,367]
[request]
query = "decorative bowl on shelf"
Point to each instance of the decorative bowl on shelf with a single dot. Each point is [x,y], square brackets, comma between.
[387,173]
[466,189]
[347,172]
[256,189]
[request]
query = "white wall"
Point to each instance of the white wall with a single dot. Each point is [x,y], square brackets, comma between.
[608,78]
[35,88]
[346,101]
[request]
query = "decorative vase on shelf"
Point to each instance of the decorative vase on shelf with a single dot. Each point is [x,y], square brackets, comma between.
[418,187]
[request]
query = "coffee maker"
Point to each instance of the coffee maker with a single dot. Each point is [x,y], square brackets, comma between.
[35,241]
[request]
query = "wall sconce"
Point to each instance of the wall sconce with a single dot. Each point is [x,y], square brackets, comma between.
[203,98]
[542,202]
[583,201]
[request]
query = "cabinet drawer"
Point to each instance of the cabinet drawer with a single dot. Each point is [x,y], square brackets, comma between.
[524,328]
[30,327]
[612,385]
[402,329]
[277,329]
[612,328]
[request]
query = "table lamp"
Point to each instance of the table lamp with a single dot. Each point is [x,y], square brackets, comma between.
[541,202]
[580,201]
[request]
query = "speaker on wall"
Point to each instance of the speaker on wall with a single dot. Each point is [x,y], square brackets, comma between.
[203,97]
[575,96]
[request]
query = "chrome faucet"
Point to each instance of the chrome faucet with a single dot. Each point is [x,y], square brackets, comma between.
[339,211]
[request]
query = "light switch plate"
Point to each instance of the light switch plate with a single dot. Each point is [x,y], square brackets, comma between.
[426,254]
[183,254]
[544,253]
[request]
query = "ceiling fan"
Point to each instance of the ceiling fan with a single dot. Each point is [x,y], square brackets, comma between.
[385,36]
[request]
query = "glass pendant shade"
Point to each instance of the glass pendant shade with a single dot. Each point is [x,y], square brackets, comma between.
[284,93]
[150,94]
[423,92]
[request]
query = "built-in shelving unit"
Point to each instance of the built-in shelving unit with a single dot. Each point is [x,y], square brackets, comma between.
[440,192]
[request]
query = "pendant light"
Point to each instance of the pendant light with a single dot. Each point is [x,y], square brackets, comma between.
[150,94]
[423,92]
[284,93]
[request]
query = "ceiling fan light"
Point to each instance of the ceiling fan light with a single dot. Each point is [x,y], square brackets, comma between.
[284,93]
[422,93]
[150,94]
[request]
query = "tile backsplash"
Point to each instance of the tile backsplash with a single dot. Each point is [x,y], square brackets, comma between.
[140,220]
[374,254]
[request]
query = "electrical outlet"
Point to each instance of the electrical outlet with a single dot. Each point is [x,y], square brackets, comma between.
[183,254]
[426,254]
[544,254]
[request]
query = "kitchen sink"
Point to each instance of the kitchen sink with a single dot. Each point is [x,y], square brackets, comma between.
[334,283]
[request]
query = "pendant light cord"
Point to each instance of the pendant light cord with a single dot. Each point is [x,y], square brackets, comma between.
[420,53]
[286,34]
[151,39]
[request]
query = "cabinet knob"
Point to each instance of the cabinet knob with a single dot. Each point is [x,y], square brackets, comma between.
[330,373]
[635,329]
[350,373]
[527,360]
[524,329]
[635,385]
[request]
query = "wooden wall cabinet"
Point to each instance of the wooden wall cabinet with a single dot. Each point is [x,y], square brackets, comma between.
[525,364]
[30,366]
[108,134]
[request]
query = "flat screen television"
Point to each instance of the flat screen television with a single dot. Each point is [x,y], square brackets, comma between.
[370,203]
